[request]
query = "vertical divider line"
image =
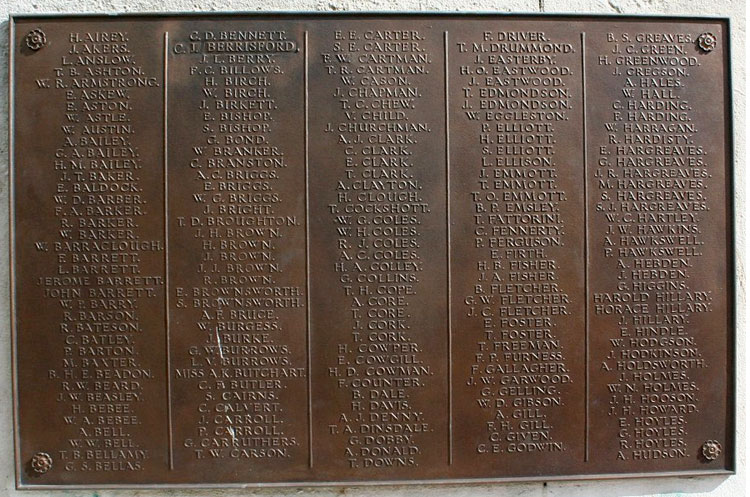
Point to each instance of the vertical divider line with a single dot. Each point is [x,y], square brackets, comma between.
[585,246]
[307,255]
[165,84]
[448,250]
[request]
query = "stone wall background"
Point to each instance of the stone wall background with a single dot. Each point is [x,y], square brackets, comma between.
[734,486]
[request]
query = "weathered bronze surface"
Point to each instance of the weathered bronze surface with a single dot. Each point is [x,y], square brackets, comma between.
[284,249]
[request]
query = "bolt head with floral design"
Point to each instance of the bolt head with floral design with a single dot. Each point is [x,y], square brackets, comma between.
[706,42]
[711,450]
[41,462]
[36,39]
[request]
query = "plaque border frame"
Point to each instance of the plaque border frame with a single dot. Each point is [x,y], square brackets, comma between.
[731,257]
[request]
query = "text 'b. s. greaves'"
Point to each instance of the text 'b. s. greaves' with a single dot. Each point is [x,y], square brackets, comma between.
[299,249]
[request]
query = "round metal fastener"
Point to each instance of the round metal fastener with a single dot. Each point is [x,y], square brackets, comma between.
[36,39]
[41,462]
[711,450]
[706,42]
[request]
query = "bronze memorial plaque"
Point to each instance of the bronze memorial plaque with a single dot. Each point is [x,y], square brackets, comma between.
[312,249]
